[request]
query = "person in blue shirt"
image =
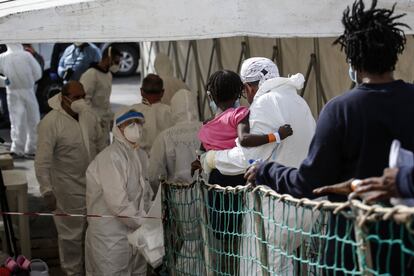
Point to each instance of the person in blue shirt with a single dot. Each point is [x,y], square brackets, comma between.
[76,59]
[355,130]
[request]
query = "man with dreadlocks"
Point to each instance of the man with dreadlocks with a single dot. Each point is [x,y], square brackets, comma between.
[355,130]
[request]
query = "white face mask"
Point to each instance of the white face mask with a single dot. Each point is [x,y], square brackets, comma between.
[133,133]
[78,106]
[114,68]
[353,74]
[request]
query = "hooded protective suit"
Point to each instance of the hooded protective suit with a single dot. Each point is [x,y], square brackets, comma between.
[116,185]
[22,71]
[98,88]
[171,157]
[65,148]
[157,118]
[164,69]
[175,148]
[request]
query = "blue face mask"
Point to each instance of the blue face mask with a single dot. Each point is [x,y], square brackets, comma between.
[236,103]
[213,107]
[353,74]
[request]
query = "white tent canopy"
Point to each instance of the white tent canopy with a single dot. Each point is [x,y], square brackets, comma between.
[166,20]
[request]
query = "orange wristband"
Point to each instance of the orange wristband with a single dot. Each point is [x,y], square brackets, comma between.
[271,138]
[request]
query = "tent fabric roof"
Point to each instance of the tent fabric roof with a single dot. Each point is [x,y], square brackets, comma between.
[163,20]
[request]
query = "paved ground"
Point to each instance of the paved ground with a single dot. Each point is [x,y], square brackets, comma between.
[43,233]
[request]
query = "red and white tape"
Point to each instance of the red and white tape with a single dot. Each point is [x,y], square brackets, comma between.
[36,214]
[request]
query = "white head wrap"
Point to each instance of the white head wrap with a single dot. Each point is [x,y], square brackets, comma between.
[258,69]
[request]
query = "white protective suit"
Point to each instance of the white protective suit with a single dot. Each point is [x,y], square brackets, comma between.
[276,103]
[171,156]
[116,185]
[175,148]
[164,69]
[64,150]
[22,71]
[98,88]
[157,118]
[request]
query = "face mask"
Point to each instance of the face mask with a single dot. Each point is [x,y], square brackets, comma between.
[133,133]
[213,107]
[114,68]
[353,74]
[236,103]
[78,105]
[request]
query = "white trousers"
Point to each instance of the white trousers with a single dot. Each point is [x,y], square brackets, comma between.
[24,117]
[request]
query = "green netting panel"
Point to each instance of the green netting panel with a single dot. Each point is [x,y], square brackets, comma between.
[183,241]
[212,231]
[390,248]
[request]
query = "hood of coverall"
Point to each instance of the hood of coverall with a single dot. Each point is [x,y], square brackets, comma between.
[281,84]
[14,47]
[55,103]
[116,131]
[184,106]
[163,65]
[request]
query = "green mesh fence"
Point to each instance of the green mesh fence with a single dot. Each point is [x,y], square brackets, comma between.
[210,230]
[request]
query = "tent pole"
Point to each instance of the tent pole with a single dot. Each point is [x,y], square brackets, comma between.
[218,54]
[242,55]
[149,56]
[169,48]
[210,62]
[308,73]
[187,61]
[317,75]
[200,81]
[157,46]
[279,56]
[320,96]
[248,53]
[178,71]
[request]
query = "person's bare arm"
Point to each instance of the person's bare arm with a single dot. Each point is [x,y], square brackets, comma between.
[254,140]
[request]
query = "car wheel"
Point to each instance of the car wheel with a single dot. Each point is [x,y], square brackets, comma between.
[129,61]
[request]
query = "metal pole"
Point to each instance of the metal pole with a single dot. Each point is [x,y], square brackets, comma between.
[242,55]
[210,63]
[187,60]
[308,72]
[169,48]
[218,54]
[248,53]
[149,55]
[177,62]
[279,60]
[200,81]
[317,75]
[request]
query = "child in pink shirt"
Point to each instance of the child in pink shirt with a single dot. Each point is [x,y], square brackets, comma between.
[224,89]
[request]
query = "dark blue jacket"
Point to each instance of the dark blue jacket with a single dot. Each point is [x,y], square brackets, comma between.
[352,139]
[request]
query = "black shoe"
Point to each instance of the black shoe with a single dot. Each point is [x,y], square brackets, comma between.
[30,156]
[5,125]
[17,156]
